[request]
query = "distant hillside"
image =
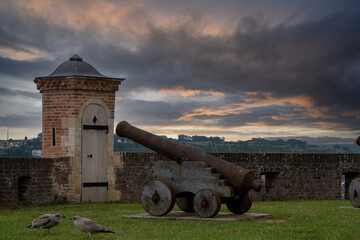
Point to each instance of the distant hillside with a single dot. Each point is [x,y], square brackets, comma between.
[317,140]
[332,142]
[217,144]
[23,148]
[19,148]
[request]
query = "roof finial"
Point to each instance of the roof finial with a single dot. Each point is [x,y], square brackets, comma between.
[76,58]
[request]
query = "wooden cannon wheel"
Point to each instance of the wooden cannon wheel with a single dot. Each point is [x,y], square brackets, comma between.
[354,192]
[241,204]
[207,203]
[158,197]
[186,203]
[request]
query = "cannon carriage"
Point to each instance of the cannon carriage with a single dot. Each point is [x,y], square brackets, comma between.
[195,181]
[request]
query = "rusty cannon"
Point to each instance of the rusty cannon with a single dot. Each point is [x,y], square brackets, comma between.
[196,181]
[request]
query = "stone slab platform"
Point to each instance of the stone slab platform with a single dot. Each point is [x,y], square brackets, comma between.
[178,215]
[354,208]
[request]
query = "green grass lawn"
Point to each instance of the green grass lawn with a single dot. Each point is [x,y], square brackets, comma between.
[288,220]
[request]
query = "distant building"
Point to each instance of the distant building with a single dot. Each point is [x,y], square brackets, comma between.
[36,153]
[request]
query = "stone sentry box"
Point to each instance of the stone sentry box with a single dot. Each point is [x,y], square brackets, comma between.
[78,121]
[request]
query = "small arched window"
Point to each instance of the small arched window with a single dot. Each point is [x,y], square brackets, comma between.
[23,187]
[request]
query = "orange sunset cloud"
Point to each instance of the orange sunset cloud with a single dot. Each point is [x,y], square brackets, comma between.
[263,99]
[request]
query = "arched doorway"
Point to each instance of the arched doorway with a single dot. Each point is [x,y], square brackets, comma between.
[94,156]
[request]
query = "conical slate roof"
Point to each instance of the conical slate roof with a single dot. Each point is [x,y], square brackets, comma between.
[75,66]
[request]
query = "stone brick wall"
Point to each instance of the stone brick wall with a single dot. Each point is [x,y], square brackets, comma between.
[133,172]
[34,180]
[287,176]
[62,102]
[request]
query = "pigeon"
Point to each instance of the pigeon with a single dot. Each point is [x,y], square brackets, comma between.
[46,221]
[89,226]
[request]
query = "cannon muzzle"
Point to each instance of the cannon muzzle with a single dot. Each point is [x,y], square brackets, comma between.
[240,178]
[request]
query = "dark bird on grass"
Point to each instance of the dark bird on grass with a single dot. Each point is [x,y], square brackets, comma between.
[46,221]
[89,226]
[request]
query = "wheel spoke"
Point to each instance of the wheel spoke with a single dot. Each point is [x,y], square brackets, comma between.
[207,203]
[354,192]
[158,197]
[241,204]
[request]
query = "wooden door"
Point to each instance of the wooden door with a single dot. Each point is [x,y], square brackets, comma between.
[94,160]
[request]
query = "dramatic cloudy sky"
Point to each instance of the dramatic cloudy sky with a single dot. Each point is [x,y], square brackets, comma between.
[232,68]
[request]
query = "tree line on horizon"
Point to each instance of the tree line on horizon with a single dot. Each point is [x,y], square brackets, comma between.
[202,143]
[218,144]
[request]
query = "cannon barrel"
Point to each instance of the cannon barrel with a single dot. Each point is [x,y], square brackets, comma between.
[358,141]
[240,178]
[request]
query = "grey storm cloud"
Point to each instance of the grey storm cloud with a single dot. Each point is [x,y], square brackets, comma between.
[309,58]
[32,121]
[5,92]
[316,57]
[320,59]
[23,32]
[23,70]
[156,112]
